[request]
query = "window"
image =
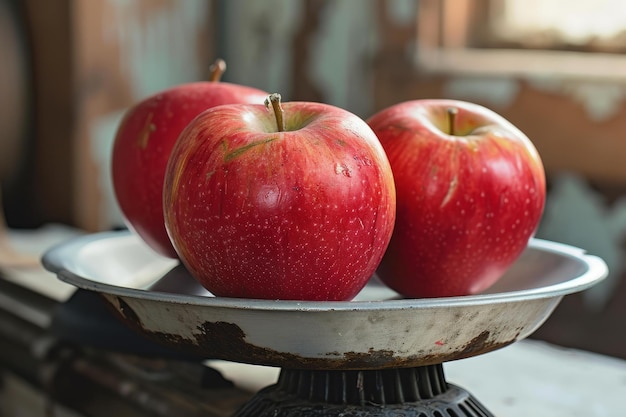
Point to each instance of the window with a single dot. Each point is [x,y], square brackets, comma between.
[575,38]
[576,24]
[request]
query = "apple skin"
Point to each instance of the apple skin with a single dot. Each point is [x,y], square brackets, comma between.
[142,147]
[300,214]
[467,203]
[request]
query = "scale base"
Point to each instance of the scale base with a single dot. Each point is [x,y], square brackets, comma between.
[412,392]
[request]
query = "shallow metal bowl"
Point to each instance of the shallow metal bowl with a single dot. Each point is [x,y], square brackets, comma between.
[377,330]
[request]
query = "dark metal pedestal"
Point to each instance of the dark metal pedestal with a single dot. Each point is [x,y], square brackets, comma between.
[412,392]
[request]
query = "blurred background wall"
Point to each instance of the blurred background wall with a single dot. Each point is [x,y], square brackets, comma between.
[70,68]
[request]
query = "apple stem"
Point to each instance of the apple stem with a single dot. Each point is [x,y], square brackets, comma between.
[217,69]
[274,101]
[452,113]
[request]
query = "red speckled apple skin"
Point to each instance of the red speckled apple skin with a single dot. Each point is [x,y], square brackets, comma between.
[467,203]
[302,214]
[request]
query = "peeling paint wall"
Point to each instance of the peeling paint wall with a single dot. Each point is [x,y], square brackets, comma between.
[157,46]
[600,100]
[343,50]
[257,42]
[259,48]
[495,92]
[156,49]
[123,51]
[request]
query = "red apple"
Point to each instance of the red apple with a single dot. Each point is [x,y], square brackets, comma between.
[293,202]
[143,143]
[470,193]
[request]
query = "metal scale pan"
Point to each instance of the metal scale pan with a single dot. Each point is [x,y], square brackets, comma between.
[377,330]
